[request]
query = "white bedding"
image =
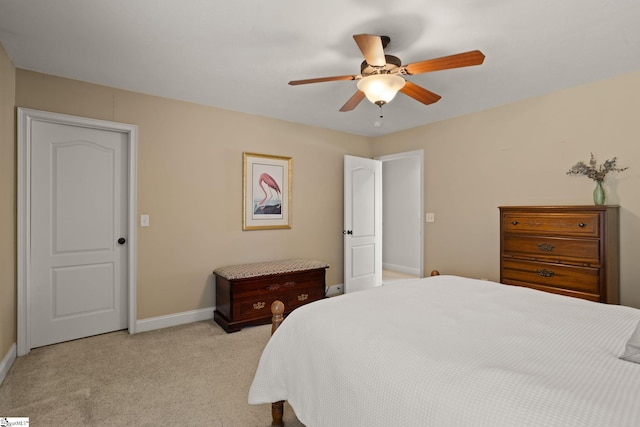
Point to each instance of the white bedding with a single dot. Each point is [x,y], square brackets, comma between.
[451,351]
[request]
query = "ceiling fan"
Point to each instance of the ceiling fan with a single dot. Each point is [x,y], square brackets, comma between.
[380,75]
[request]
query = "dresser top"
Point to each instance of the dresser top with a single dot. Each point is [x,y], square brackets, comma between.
[243,271]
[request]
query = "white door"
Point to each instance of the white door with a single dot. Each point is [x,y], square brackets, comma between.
[79,206]
[362,223]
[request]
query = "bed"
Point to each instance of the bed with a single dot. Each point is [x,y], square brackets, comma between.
[453,351]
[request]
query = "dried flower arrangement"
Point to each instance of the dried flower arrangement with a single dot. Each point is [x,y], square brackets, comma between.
[593,171]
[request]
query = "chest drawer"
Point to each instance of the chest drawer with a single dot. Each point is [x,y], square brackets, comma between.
[565,224]
[253,308]
[303,295]
[553,249]
[248,288]
[259,305]
[552,276]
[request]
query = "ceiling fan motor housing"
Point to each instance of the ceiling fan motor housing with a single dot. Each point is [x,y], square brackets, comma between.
[391,67]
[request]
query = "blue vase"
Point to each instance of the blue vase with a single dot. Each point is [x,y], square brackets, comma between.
[598,194]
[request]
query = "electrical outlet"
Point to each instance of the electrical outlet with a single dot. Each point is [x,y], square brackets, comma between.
[334,290]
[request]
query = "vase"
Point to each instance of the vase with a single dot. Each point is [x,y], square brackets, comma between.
[598,194]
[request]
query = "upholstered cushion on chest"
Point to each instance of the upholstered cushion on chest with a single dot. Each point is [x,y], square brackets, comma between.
[243,271]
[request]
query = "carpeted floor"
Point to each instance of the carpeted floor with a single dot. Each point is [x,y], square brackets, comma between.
[391,276]
[189,375]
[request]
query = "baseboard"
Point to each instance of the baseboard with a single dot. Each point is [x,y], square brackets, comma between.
[7,362]
[176,319]
[402,269]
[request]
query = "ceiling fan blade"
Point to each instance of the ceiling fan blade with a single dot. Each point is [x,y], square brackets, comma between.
[353,101]
[371,48]
[320,80]
[419,93]
[466,59]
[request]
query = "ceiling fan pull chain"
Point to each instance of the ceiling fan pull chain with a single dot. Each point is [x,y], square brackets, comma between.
[378,123]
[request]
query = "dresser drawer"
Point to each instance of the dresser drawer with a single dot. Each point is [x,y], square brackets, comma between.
[566,224]
[581,279]
[553,249]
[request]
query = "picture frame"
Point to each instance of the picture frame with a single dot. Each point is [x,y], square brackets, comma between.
[266,192]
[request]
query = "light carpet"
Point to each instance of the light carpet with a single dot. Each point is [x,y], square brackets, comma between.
[188,375]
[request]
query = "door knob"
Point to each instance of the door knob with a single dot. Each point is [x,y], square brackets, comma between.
[122,241]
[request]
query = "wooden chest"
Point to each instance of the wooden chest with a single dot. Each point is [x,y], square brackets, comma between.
[568,250]
[244,292]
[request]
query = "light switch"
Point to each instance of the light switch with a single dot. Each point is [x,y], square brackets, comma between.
[431,217]
[144,220]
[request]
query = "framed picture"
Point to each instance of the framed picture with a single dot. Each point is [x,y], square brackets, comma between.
[266,192]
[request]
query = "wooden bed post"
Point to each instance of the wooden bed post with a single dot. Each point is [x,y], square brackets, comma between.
[277,408]
[277,309]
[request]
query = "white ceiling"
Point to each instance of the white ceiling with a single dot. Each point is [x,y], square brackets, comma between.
[240,54]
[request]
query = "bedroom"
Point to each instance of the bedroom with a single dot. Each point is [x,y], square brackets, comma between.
[190,175]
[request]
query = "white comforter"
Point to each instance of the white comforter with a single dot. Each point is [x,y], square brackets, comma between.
[450,351]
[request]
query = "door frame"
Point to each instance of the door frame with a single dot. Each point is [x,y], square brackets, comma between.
[419,155]
[25,118]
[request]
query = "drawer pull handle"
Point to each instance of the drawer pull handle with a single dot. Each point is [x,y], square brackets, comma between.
[303,297]
[259,305]
[582,224]
[514,222]
[545,273]
[546,247]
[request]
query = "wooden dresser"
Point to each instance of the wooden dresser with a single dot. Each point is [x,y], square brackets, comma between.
[568,250]
[244,292]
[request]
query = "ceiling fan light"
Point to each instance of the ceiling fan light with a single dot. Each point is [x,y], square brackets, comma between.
[381,88]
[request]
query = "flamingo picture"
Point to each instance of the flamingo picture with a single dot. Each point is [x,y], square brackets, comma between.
[266,191]
[272,186]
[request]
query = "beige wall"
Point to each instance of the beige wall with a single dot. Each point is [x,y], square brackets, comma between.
[7,204]
[518,155]
[190,183]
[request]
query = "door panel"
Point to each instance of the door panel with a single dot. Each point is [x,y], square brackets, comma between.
[364,199]
[78,225]
[362,223]
[78,211]
[82,290]
[363,261]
